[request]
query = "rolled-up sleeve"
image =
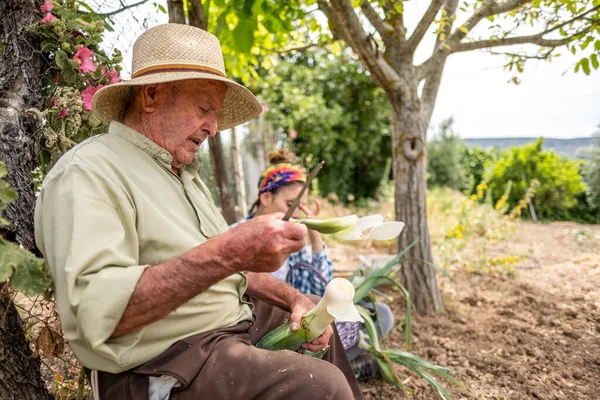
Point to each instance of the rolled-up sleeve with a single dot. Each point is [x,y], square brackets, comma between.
[86,229]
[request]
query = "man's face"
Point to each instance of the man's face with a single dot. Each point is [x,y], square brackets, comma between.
[186,116]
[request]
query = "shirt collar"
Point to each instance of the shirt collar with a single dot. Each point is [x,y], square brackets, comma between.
[143,143]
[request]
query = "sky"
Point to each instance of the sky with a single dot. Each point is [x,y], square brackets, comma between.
[551,100]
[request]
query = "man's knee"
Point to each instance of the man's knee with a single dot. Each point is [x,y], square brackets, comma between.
[326,382]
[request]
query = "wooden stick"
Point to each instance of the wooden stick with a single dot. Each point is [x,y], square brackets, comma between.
[294,205]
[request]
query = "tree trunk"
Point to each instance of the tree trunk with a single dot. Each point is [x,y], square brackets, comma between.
[217,161]
[19,371]
[217,155]
[260,145]
[238,173]
[409,148]
[176,14]
[20,89]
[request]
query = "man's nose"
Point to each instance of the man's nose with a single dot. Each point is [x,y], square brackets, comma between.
[212,124]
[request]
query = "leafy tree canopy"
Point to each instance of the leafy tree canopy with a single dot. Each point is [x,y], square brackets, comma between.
[336,113]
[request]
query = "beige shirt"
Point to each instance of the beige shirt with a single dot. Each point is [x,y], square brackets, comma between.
[107,210]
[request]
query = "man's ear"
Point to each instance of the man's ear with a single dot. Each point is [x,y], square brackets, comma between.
[266,199]
[151,97]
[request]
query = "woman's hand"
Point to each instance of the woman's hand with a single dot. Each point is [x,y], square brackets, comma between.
[314,236]
[311,213]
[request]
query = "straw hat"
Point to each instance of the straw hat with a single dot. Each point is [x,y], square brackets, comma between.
[174,52]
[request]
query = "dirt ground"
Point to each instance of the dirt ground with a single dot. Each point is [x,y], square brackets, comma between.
[532,336]
[535,335]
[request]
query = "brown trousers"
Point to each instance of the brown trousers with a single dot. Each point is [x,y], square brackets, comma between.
[223,365]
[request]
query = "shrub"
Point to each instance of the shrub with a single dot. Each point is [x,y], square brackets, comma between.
[444,152]
[559,179]
[476,161]
[591,176]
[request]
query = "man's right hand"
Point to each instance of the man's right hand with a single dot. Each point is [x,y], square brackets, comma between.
[263,243]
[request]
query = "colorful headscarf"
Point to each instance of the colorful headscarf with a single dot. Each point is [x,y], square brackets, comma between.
[278,175]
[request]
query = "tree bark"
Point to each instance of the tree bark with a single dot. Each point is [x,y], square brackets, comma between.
[20,89]
[238,173]
[409,161]
[217,155]
[19,371]
[176,14]
[260,145]
[217,162]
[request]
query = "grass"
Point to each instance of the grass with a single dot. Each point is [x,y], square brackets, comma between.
[464,230]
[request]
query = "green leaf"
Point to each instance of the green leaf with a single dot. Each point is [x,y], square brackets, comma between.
[257,7]
[47,45]
[6,271]
[27,273]
[67,66]
[243,34]
[463,29]
[594,60]
[585,65]
[219,3]
[162,8]
[86,6]
[597,45]
[108,26]
[7,195]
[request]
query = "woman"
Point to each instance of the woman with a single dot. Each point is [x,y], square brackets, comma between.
[279,185]
[310,271]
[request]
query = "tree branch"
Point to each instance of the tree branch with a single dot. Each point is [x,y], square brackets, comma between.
[578,17]
[487,9]
[530,39]
[424,24]
[115,12]
[299,48]
[384,29]
[395,18]
[345,21]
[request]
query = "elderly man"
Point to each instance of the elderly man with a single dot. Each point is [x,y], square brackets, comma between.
[156,297]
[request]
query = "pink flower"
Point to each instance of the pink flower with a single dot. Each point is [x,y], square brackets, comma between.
[113,77]
[88,94]
[53,102]
[293,134]
[265,108]
[63,113]
[85,58]
[48,6]
[48,18]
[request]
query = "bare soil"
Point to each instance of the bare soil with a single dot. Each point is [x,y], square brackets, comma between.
[532,336]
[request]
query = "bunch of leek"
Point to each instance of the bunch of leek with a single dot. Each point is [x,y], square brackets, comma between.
[337,302]
[353,228]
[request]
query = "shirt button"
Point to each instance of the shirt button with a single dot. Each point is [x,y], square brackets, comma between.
[164,156]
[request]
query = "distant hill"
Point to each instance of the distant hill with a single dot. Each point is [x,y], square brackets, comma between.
[572,148]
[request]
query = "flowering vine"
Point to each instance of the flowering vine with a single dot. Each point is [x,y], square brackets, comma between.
[70,36]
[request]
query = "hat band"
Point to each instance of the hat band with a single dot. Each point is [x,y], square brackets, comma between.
[162,67]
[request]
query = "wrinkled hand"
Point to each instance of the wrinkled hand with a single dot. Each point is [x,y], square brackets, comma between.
[311,213]
[263,243]
[300,307]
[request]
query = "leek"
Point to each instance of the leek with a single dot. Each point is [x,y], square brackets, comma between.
[353,228]
[337,303]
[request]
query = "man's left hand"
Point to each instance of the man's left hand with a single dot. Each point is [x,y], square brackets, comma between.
[300,307]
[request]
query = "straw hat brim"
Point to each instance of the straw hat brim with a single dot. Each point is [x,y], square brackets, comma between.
[240,104]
